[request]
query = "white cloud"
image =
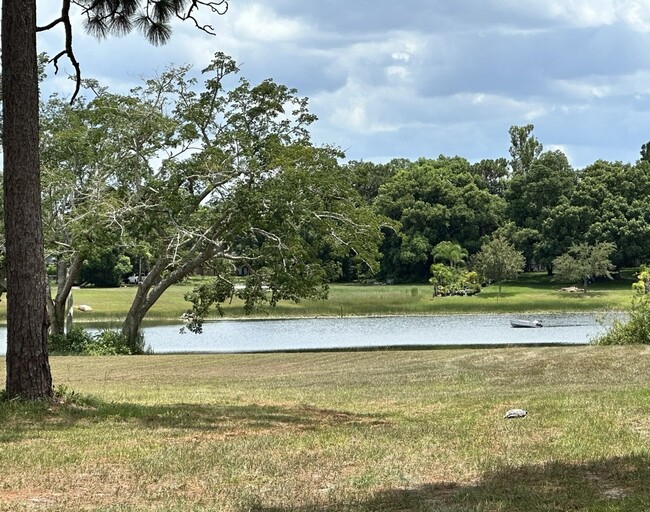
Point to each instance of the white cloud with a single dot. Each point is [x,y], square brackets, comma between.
[355,109]
[259,23]
[595,13]
[592,88]
[563,148]
[584,13]
[586,88]
[403,56]
[438,77]
[399,72]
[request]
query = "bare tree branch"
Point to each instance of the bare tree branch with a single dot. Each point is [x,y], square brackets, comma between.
[68,51]
[219,6]
[103,18]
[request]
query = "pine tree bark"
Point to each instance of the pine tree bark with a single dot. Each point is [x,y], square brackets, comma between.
[28,369]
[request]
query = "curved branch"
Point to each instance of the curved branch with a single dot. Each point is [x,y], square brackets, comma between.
[67,51]
[49,25]
[218,6]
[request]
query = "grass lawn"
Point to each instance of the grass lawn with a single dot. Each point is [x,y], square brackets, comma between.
[340,431]
[358,431]
[530,293]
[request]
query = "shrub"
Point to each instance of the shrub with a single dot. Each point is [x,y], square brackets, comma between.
[74,342]
[105,269]
[106,343]
[634,330]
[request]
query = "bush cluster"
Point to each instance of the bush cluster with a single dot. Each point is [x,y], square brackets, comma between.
[105,343]
[635,329]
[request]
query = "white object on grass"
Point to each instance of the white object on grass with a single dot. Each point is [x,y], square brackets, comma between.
[515,413]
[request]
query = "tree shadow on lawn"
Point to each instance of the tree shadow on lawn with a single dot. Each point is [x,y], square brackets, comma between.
[19,420]
[493,294]
[619,483]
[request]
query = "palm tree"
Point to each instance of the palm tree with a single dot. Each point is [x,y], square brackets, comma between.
[451,252]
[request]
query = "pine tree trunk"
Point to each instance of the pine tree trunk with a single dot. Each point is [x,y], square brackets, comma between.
[28,369]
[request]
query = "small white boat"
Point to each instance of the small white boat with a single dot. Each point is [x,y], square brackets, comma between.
[525,323]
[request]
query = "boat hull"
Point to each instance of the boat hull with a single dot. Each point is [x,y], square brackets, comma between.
[525,324]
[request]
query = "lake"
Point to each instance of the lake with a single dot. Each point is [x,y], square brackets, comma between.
[339,333]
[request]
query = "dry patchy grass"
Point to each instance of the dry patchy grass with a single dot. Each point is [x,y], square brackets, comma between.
[383,430]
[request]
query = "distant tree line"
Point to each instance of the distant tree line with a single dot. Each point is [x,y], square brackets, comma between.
[534,200]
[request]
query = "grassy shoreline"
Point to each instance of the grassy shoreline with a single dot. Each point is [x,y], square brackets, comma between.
[396,430]
[529,294]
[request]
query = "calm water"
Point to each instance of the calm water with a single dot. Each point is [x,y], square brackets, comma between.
[265,335]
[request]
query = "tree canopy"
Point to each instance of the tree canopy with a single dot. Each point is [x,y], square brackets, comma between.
[206,170]
[498,261]
[435,201]
[584,262]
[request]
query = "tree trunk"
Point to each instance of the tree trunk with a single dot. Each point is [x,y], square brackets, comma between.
[57,306]
[147,294]
[133,320]
[152,288]
[28,369]
[57,318]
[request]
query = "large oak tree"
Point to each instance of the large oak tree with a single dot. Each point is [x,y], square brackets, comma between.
[214,173]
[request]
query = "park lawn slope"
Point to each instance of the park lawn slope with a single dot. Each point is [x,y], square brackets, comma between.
[345,431]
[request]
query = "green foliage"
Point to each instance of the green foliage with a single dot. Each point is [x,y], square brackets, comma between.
[494,172]
[74,342]
[368,177]
[645,152]
[240,183]
[105,269]
[635,329]
[531,199]
[451,252]
[498,261]
[524,148]
[453,281]
[111,343]
[105,17]
[642,285]
[434,201]
[81,342]
[608,204]
[441,275]
[584,262]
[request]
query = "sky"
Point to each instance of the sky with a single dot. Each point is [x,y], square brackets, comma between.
[418,78]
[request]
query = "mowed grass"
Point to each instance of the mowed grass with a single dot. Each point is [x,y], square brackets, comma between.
[530,293]
[344,431]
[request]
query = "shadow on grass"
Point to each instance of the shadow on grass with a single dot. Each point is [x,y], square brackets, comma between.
[618,483]
[18,419]
[494,295]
